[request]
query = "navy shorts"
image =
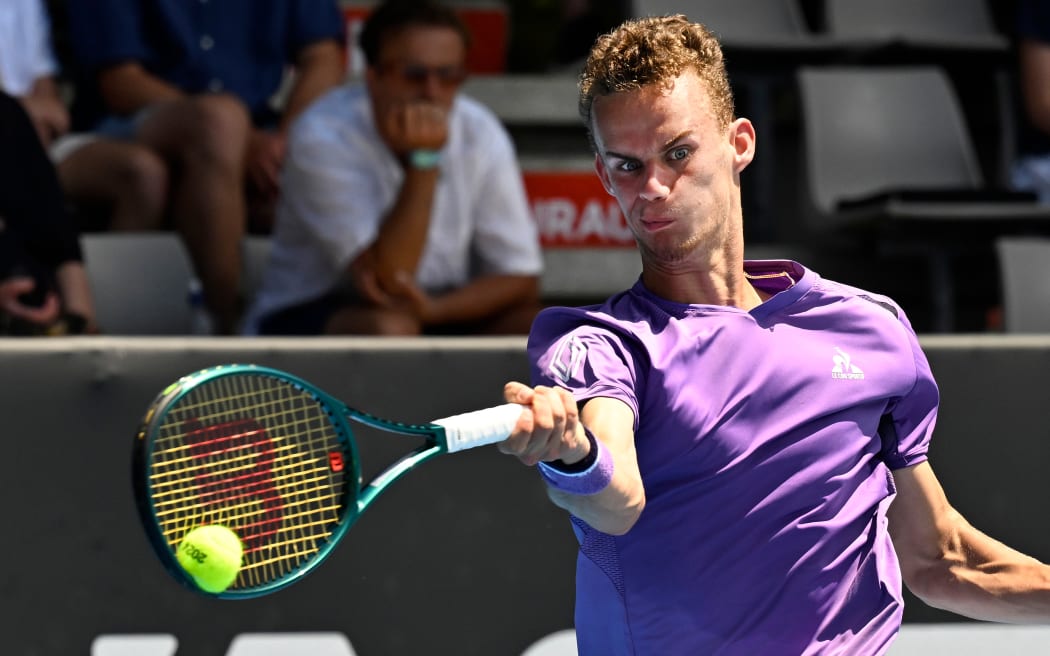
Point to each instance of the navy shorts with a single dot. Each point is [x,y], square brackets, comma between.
[307,318]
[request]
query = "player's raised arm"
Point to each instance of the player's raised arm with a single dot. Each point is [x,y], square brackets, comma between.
[949,564]
[591,472]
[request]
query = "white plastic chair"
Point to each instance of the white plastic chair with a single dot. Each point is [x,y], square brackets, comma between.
[762,24]
[140,282]
[954,24]
[1024,271]
[255,255]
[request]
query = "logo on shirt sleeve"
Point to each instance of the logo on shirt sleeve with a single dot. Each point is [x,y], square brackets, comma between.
[567,358]
[844,367]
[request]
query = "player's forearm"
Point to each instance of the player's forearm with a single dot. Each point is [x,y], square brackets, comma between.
[984,579]
[1018,594]
[127,88]
[485,297]
[615,509]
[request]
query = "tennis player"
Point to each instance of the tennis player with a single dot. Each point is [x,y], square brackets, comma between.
[742,445]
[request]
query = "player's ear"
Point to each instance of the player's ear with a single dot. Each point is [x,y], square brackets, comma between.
[603,174]
[742,139]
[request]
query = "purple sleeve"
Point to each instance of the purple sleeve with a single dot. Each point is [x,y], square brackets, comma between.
[907,430]
[584,353]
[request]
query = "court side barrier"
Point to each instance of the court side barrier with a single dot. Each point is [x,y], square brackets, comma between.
[465,555]
[958,639]
[561,643]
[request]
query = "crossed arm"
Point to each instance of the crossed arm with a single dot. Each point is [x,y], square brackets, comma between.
[949,564]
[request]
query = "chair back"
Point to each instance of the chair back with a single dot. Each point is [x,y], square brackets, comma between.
[870,130]
[931,21]
[140,282]
[1024,268]
[754,22]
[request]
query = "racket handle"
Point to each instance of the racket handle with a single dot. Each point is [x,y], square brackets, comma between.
[479,427]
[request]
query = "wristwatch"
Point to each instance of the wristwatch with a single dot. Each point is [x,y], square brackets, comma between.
[424,159]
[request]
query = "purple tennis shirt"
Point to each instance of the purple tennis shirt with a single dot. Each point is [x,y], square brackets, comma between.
[765,441]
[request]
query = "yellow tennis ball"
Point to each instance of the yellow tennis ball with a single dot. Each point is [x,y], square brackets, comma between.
[211,555]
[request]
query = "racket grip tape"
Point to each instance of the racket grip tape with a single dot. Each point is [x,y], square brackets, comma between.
[480,427]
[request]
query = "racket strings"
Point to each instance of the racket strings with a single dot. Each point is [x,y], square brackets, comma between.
[253,453]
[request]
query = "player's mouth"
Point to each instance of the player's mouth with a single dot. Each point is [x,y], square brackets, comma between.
[656,223]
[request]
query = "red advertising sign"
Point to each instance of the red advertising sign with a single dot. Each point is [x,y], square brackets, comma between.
[573,209]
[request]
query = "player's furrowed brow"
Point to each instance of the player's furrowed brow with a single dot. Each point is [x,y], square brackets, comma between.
[612,154]
[678,137]
[666,146]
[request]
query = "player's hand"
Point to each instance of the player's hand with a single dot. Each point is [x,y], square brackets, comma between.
[44,314]
[549,428]
[266,151]
[414,125]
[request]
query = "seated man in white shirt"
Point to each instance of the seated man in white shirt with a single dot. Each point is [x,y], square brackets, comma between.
[403,210]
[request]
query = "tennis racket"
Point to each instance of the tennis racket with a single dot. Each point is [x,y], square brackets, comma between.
[273,458]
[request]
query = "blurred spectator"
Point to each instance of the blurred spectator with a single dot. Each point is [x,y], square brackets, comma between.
[197,83]
[28,66]
[403,209]
[115,177]
[1031,171]
[43,285]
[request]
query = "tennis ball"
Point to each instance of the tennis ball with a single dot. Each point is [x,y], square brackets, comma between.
[211,555]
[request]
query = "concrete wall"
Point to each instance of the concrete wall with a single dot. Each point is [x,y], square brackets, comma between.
[464,556]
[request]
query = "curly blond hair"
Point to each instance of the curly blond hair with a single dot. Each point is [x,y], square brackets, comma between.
[655,50]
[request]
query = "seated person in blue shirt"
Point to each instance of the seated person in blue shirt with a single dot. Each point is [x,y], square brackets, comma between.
[196,83]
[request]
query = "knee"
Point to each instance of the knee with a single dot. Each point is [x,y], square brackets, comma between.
[221,126]
[357,320]
[144,176]
[397,324]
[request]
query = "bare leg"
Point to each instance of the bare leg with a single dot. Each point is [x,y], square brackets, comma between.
[515,320]
[205,139]
[127,178]
[364,320]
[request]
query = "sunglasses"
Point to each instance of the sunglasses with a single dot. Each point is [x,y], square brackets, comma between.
[446,76]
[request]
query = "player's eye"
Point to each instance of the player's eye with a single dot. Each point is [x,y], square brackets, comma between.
[628,165]
[678,153]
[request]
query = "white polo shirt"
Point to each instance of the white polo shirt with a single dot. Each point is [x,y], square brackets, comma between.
[340,179]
